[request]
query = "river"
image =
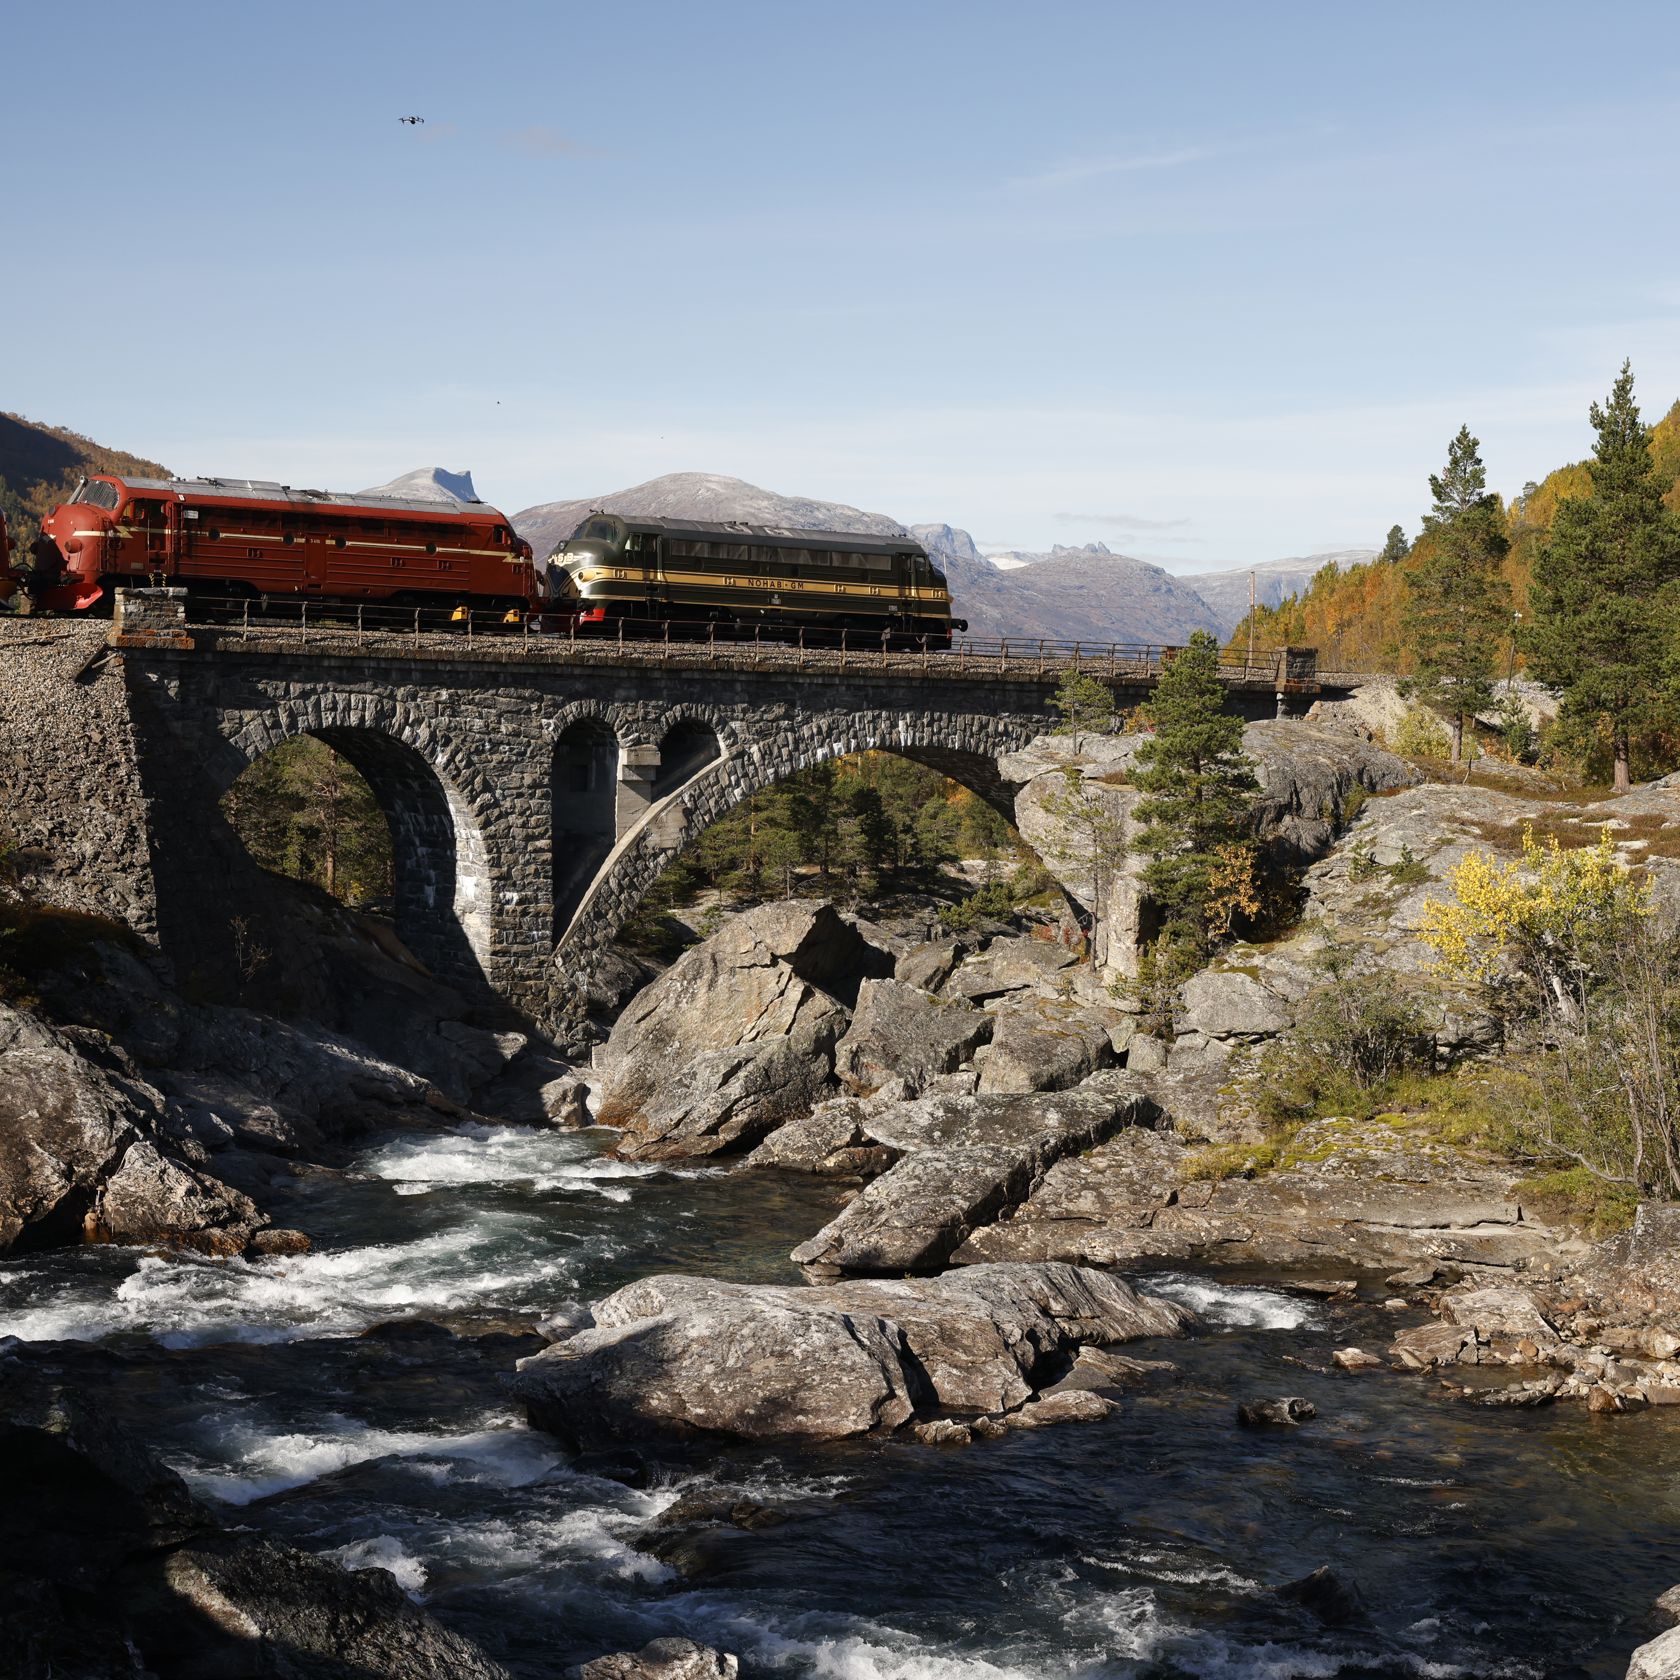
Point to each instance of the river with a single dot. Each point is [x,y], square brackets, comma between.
[352,1401]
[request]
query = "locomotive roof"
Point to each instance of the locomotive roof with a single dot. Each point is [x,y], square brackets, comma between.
[859,542]
[266,490]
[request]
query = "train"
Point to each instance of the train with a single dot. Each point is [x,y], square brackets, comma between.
[256,542]
[251,539]
[625,571]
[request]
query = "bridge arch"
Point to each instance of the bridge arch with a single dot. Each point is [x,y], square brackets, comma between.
[432,801]
[689,744]
[964,748]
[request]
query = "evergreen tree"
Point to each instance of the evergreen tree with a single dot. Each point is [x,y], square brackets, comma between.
[1395,548]
[813,806]
[872,835]
[1197,788]
[1602,624]
[1083,704]
[1458,607]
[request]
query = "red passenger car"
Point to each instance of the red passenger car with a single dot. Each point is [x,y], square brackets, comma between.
[244,538]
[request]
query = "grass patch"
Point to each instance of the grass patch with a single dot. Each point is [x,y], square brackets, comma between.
[1234,1160]
[1582,1198]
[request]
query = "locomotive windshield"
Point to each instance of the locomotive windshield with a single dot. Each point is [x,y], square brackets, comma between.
[91,492]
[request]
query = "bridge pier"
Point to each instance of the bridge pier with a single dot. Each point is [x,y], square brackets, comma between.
[637,777]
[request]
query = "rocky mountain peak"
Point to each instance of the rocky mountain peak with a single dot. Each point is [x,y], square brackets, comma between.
[698,495]
[435,484]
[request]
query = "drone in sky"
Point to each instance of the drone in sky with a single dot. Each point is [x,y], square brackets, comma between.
[411,121]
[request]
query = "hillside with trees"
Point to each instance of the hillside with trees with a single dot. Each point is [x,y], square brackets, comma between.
[1354,615]
[39,466]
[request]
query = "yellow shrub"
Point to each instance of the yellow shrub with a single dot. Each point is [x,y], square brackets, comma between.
[1548,909]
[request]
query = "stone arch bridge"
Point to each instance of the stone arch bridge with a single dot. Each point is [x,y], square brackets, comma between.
[535,791]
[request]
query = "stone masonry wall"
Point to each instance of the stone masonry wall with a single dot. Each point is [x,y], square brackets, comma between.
[70,794]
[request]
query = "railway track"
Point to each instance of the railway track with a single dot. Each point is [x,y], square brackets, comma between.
[437,633]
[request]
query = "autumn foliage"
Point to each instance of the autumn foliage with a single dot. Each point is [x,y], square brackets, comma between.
[1353,616]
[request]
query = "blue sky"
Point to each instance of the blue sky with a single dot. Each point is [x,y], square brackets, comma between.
[1212,283]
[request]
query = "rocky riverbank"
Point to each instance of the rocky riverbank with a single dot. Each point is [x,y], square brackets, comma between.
[1000,1155]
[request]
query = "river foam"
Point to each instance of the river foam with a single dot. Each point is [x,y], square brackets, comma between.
[1242,1306]
[538,1161]
[189,1301]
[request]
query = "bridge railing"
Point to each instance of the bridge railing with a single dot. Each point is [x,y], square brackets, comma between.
[440,632]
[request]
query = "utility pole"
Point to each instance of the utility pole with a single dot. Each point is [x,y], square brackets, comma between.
[1251,619]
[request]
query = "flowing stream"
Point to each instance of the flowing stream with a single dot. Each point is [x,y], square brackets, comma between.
[352,1401]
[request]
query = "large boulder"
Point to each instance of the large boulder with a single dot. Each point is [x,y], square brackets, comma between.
[899,1031]
[83,1157]
[833,1139]
[1012,965]
[738,1034]
[965,1162]
[677,1354]
[1039,1044]
[1229,1003]
[989,1337]
[680,1354]
[1657,1660]
[664,1659]
[1087,1200]
[1308,775]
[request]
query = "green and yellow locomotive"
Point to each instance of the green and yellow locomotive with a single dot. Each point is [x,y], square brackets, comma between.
[700,578]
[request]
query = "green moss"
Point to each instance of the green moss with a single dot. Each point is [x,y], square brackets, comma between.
[1583,1199]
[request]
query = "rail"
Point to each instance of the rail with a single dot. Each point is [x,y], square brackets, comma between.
[274,624]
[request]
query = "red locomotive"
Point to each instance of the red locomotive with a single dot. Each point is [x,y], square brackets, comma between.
[247,538]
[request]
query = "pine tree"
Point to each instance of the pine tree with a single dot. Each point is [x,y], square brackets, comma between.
[1395,548]
[1458,606]
[1197,788]
[1602,624]
[1083,704]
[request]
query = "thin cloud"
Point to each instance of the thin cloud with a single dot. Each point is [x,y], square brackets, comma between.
[1122,522]
[539,140]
